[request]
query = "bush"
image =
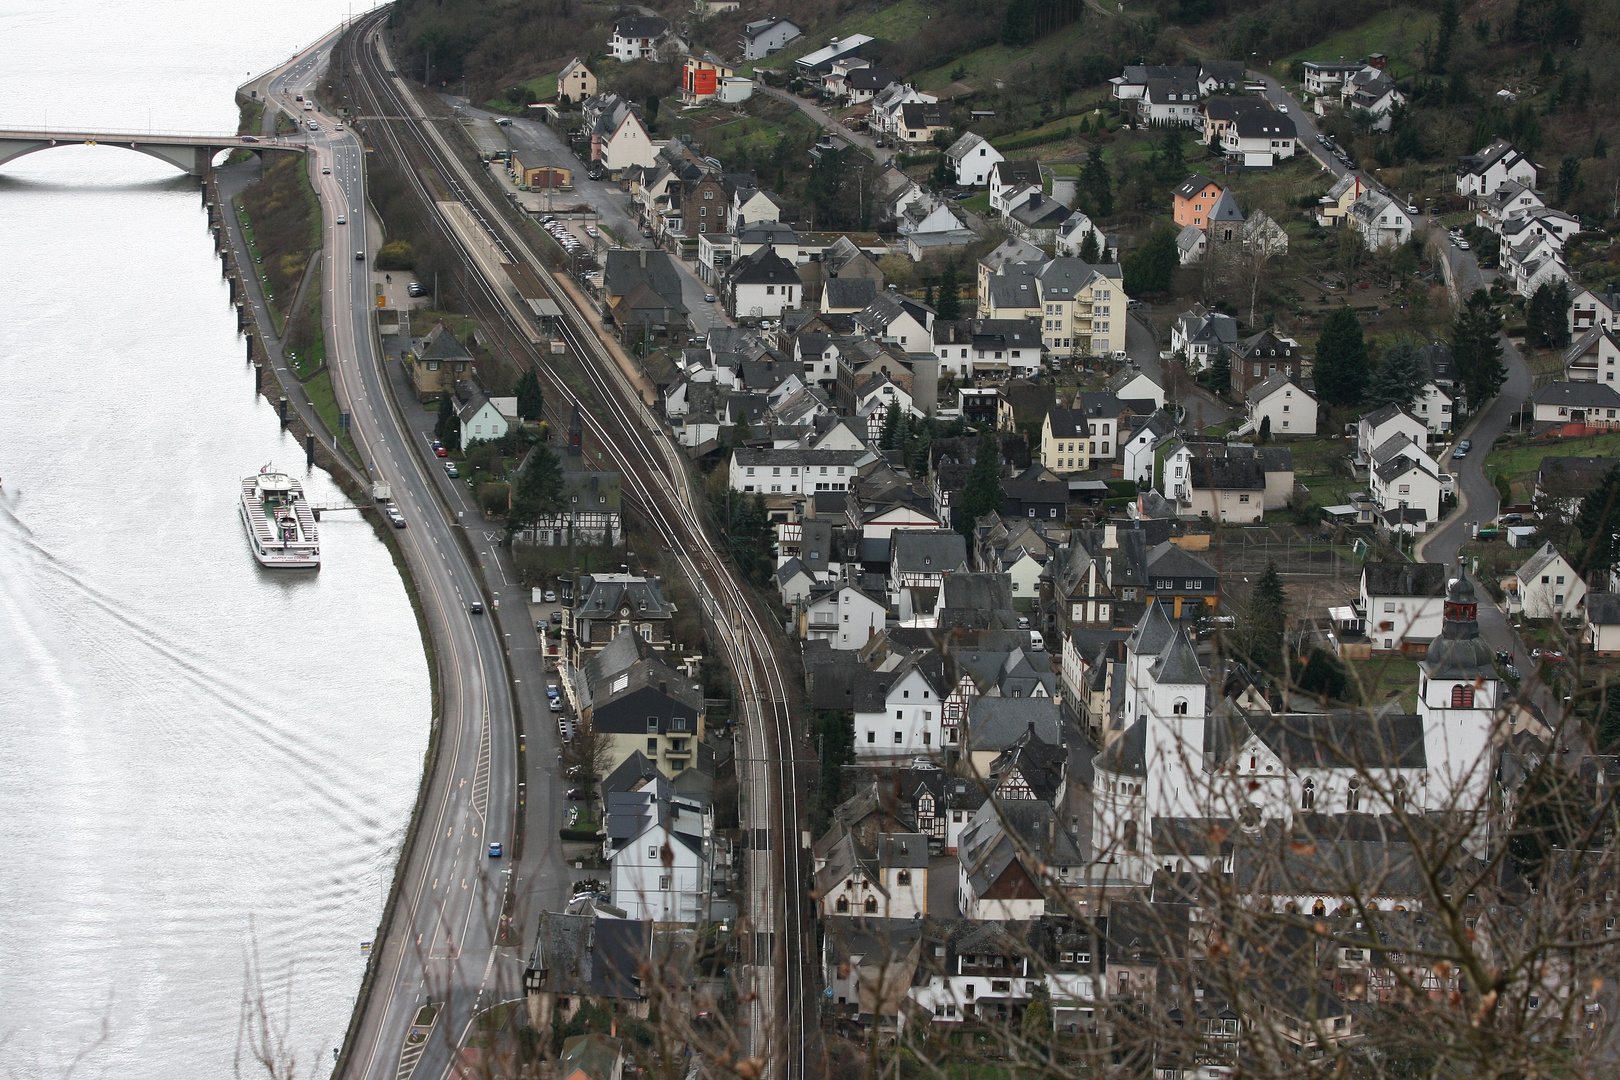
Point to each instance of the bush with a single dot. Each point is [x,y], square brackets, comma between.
[589,836]
[1032,140]
[495,498]
[396,255]
[1122,488]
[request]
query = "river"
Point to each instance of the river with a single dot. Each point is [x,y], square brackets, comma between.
[203,760]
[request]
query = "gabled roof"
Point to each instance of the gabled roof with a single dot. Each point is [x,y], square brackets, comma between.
[995,723]
[1226,210]
[1195,184]
[1227,474]
[441,344]
[763,267]
[641,26]
[1272,384]
[1263,125]
[1178,665]
[1067,423]
[1385,413]
[1603,609]
[928,551]
[969,142]
[1544,557]
[1404,579]
[1578,395]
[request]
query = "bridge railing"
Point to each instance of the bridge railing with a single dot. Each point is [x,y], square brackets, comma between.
[110,135]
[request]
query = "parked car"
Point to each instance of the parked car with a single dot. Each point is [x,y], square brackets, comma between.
[1462,245]
[575,793]
[556,618]
[440,451]
[708,298]
[550,596]
[555,704]
[539,626]
[1512,519]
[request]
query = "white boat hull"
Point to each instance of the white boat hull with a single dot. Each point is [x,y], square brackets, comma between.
[298,558]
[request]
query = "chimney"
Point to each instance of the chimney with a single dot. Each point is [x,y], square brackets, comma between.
[1110,536]
[1035,199]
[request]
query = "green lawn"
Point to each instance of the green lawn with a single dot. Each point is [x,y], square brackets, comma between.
[984,66]
[979,204]
[1520,463]
[1382,678]
[1397,33]
[320,394]
[894,22]
[1314,461]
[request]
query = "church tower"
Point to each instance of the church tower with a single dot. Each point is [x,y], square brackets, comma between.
[1459,695]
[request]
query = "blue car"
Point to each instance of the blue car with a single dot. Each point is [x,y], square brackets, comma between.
[495,851]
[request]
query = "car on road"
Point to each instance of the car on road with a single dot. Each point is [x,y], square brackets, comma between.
[504,121]
[337,127]
[1413,210]
[495,850]
[1462,245]
[440,451]
[1546,656]
[360,255]
[249,138]
[326,171]
[450,470]
[476,607]
[395,517]
[554,704]
[342,220]
[1281,107]
[556,618]
[550,596]
[1510,671]
[1462,449]
[552,690]
[1503,656]
[575,793]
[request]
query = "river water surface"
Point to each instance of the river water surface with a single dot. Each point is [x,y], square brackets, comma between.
[198,757]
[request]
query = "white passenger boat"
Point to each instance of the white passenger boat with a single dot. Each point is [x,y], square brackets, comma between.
[279,522]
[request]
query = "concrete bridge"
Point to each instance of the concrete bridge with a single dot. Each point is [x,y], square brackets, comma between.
[190,152]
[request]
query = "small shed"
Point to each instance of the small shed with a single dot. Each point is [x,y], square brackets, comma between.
[1521,536]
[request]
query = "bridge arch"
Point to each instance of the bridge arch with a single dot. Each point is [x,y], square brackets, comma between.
[193,156]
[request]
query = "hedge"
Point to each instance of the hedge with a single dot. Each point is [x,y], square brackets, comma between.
[576,835]
[1032,140]
[1118,503]
[906,161]
[1122,488]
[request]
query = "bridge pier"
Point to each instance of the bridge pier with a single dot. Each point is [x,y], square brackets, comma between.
[191,154]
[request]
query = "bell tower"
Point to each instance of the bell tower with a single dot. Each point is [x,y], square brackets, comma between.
[1459,695]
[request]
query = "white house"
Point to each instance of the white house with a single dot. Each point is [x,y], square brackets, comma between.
[1548,586]
[971,159]
[1384,423]
[1140,448]
[662,872]
[845,618]
[1402,604]
[898,710]
[795,471]
[1290,409]
[1199,333]
[1601,618]
[1260,137]
[1407,491]
[1382,222]
[1434,408]
[919,562]
[1131,383]
[1596,405]
[1593,356]
[765,36]
[480,420]
[1499,163]
[1589,308]
[888,880]
[763,285]
[1011,183]
[1071,237]
[637,37]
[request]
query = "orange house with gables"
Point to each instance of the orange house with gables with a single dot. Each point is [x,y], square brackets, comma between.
[1195,198]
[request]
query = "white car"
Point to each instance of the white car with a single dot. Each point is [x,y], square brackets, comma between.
[1281,107]
[342,220]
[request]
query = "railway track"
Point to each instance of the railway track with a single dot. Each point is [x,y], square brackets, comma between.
[780,1025]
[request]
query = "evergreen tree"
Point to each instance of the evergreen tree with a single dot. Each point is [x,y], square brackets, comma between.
[1037,1024]
[1265,429]
[1265,623]
[447,429]
[530,402]
[1546,316]
[1598,521]
[893,428]
[1220,371]
[1608,720]
[740,431]
[1444,34]
[1401,376]
[538,491]
[950,292]
[1569,179]
[1475,349]
[1018,24]
[1324,674]
[1172,159]
[1090,249]
[1096,185]
[983,492]
[1151,268]
[1341,359]
[652,109]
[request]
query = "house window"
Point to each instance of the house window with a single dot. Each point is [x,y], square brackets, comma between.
[652,852]
[1307,798]
[663,882]
[652,746]
[871,736]
[843,904]
[871,905]
[903,877]
[897,738]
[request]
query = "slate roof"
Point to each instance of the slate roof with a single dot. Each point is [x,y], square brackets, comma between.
[603,594]
[1264,124]
[1126,755]
[854,292]
[1067,423]
[1578,395]
[1178,665]
[928,551]
[1603,609]
[1273,383]
[1226,210]
[641,26]
[1343,740]
[995,723]
[1398,466]
[625,270]
[585,955]
[441,344]
[763,267]
[1226,474]
[1404,579]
